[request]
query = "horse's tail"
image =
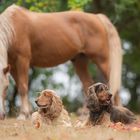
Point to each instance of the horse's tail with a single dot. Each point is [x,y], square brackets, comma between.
[115,56]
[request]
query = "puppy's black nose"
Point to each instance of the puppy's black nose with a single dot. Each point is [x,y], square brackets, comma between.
[36,101]
[110,95]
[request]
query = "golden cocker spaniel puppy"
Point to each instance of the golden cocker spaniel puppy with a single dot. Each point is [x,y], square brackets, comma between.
[50,110]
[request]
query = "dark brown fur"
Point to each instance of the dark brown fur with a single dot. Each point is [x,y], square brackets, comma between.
[121,114]
[99,102]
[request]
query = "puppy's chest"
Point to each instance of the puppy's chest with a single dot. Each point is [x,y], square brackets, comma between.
[99,117]
[61,119]
[47,117]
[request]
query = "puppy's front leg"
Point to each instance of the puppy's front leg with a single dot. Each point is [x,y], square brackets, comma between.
[36,119]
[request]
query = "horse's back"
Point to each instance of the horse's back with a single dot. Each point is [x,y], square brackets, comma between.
[62,35]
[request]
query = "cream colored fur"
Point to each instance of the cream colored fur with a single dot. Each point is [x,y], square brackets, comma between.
[60,117]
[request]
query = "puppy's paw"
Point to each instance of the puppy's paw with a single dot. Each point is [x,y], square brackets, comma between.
[36,120]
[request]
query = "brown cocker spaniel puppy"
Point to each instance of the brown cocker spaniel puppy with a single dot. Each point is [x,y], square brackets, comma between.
[50,110]
[100,106]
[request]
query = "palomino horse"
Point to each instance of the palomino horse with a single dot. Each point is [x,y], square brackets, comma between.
[48,39]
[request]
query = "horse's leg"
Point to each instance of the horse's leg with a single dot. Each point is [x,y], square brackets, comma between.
[2,104]
[104,66]
[81,66]
[22,67]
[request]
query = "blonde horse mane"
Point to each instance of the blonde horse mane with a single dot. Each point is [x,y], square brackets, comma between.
[115,54]
[7,33]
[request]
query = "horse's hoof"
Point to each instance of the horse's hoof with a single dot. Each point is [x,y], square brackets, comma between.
[23,117]
[2,116]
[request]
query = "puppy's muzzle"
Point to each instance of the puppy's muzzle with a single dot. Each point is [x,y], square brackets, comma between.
[36,101]
[41,106]
[109,96]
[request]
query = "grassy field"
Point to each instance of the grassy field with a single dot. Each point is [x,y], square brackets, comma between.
[12,129]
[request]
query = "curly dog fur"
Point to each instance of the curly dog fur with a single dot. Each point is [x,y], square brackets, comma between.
[100,106]
[50,110]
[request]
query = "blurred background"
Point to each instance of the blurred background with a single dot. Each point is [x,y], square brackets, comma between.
[125,15]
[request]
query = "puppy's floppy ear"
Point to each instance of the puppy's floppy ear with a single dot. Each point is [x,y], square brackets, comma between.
[56,106]
[99,87]
[49,95]
[91,92]
[56,99]
[92,100]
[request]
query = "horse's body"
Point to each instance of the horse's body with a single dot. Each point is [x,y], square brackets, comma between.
[46,40]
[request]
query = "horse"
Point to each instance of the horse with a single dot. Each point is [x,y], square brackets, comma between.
[31,39]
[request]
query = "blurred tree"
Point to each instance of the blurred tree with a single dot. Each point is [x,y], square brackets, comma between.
[5,3]
[77,4]
[44,5]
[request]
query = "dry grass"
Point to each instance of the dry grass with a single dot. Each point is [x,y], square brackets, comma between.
[11,129]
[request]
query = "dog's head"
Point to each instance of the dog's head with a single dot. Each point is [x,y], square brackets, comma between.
[48,102]
[98,95]
[102,93]
[45,99]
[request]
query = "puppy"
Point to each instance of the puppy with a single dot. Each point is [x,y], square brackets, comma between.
[100,106]
[50,110]
[98,103]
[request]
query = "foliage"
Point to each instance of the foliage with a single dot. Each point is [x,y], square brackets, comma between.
[77,4]
[41,6]
[5,3]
